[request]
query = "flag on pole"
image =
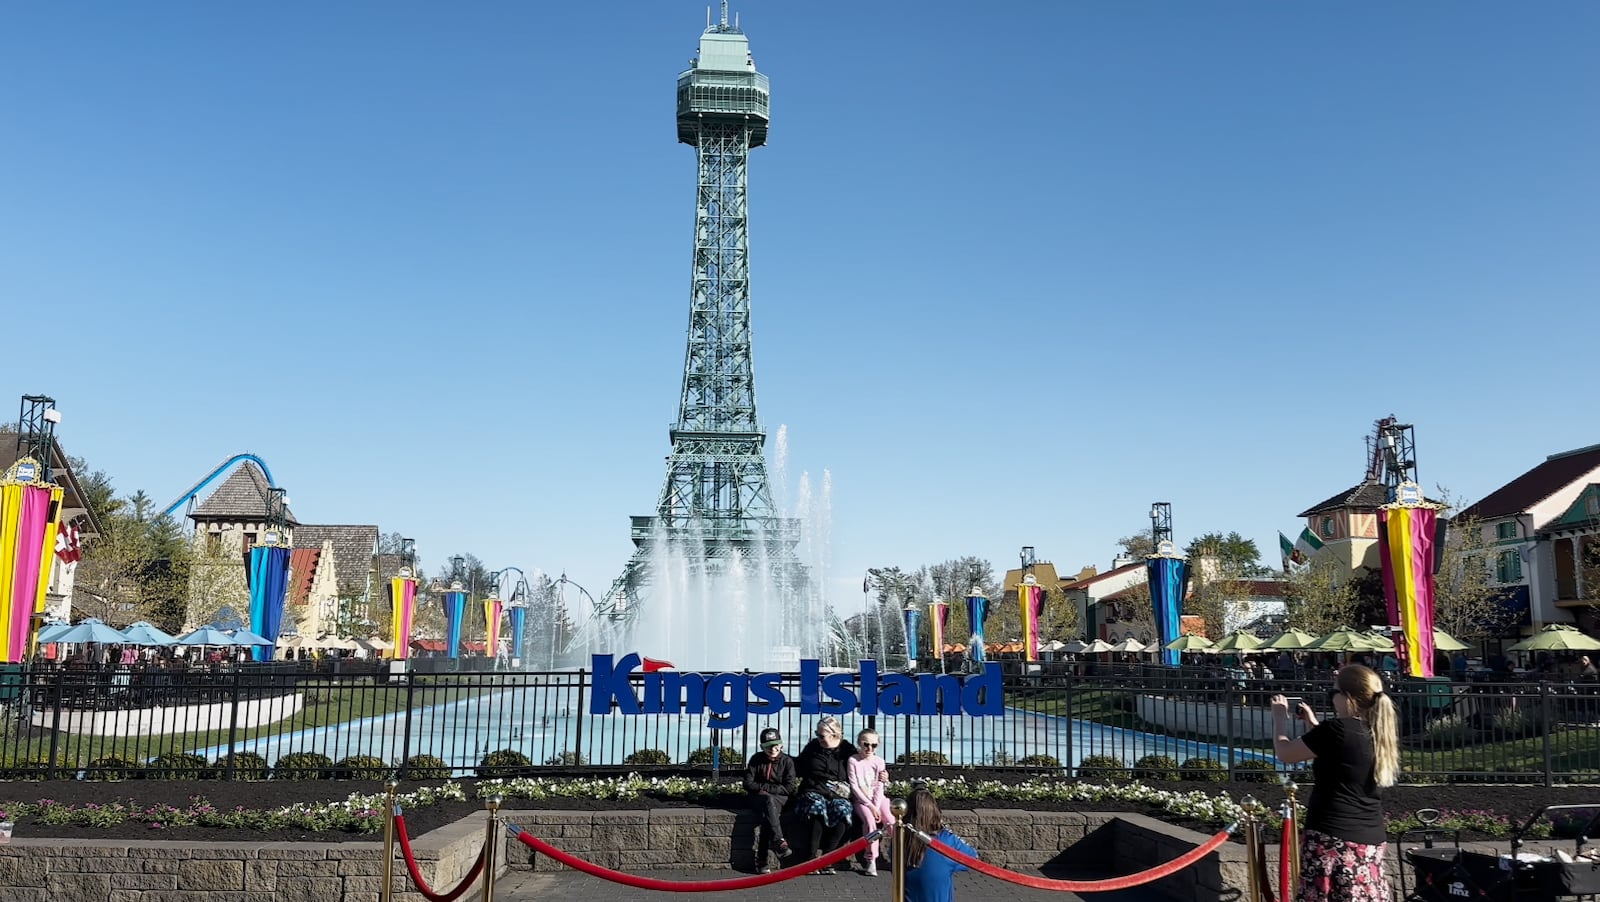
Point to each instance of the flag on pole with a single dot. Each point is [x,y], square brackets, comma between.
[1031,596]
[938,618]
[69,544]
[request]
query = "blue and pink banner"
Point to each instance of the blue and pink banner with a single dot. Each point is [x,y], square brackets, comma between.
[1169,582]
[455,608]
[269,582]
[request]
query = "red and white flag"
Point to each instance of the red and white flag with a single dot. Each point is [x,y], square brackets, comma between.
[69,545]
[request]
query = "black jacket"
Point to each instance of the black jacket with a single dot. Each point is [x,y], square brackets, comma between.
[818,764]
[772,776]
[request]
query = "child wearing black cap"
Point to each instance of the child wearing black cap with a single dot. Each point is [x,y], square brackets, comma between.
[769,778]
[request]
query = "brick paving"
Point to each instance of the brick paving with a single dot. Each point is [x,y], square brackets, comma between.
[853,886]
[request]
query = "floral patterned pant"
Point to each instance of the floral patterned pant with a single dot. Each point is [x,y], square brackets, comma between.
[1332,870]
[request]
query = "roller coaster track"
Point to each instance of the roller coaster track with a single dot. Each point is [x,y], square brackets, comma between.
[196,489]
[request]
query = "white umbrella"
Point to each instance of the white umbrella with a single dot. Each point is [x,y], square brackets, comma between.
[1097,646]
[1076,646]
[1129,645]
[1053,645]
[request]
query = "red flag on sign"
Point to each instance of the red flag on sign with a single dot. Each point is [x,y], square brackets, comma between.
[69,545]
[651,665]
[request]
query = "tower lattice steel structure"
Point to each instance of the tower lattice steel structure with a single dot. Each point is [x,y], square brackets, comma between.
[716,498]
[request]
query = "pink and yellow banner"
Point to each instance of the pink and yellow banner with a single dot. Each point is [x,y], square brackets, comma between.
[1405,547]
[938,616]
[28,515]
[1031,597]
[492,609]
[403,597]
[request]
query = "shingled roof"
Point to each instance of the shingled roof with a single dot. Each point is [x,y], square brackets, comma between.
[72,497]
[1367,495]
[1539,483]
[242,497]
[353,550]
[303,567]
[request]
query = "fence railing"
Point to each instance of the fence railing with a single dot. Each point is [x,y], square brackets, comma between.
[1107,722]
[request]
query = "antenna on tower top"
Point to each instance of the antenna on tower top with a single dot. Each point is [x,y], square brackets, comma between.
[724,13]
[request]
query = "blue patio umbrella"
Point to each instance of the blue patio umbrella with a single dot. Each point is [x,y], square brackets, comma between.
[49,632]
[245,637]
[143,633]
[91,630]
[206,635]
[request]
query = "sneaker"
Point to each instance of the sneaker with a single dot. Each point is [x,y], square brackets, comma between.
[828,870]
[764,869]
[872,869]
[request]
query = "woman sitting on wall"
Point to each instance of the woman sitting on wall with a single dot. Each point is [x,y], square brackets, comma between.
[824,769]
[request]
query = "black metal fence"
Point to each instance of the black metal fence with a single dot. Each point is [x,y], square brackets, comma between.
[249,722]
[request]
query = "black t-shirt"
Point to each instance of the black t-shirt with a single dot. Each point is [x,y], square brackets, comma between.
[1344,800]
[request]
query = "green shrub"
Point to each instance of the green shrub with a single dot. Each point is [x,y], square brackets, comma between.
[175,766]
[1103,768]
[1000,757]
[926,756]
[1049,761]
[504,763]
[426,767]
[1449,731]
[1256,770]
[24,768]
[246,766]
[1156,768]
[303,766]
[1514,723]
[361,767]
[647,756]
[1205,770]
[729,757]
[569,759]
[111,767]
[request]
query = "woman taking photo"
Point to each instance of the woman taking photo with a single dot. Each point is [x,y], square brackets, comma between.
[1352,756]
[824,768]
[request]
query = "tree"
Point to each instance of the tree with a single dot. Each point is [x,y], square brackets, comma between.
[1320,598]
[1466,601]
[1138,546]
[217,576]
[1237,557]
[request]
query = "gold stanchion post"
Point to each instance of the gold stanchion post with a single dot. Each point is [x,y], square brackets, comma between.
[897,854]
[389,788]
[491,837]
[1252,851]
[1294,835]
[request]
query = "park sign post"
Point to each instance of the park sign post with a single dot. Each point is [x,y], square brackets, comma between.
[733,697]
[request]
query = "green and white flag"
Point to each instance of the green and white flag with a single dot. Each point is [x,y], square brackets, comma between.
[1297,555]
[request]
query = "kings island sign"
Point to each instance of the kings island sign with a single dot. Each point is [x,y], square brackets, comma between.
[733,697]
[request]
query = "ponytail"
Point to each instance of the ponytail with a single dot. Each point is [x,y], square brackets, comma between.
[1382,722]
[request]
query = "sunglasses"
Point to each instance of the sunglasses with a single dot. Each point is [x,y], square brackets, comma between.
[869,745]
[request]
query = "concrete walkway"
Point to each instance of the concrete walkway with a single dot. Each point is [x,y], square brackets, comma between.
[853,886]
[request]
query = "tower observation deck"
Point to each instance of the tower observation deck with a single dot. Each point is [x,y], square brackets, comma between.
[715,511]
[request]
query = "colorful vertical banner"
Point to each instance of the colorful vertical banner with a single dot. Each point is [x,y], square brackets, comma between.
[268,575]
[1169,582]
[403,601]
[1406,540]
[977,613]
[492,609]
[1031,597]
[519,625]
[938,619]
[29,508]
[455,608]
[913,621]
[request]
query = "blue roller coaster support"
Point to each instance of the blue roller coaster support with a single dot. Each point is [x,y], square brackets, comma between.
[198,487]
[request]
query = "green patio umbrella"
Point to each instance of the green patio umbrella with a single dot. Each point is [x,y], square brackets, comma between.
[1292,639]
[1443,641]
[1238,641]
[1348,639]
[1189,643]
[1557,637]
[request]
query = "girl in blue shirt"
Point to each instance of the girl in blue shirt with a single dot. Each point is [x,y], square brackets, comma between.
[930,876]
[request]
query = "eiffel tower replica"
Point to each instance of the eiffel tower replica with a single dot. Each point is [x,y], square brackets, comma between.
[716,502]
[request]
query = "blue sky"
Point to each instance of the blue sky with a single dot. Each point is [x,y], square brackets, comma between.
[1017,272]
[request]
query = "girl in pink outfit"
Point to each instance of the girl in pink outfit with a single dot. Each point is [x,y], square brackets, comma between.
[869,782]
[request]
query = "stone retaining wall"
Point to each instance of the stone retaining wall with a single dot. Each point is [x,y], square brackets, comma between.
[62,870]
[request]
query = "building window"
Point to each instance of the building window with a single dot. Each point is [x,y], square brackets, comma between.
[1327,527]
[1593,505]
[1508,567]
[1505,530]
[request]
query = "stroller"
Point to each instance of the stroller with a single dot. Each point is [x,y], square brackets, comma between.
[1449,873]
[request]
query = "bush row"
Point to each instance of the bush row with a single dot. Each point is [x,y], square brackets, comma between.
[246,766]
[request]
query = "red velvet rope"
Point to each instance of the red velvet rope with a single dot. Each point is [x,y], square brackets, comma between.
[1262,876]
[692,886]
[416,874]
[1286,859]
[1082,886]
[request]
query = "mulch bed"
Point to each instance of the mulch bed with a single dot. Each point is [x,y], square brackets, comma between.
[1514,801]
